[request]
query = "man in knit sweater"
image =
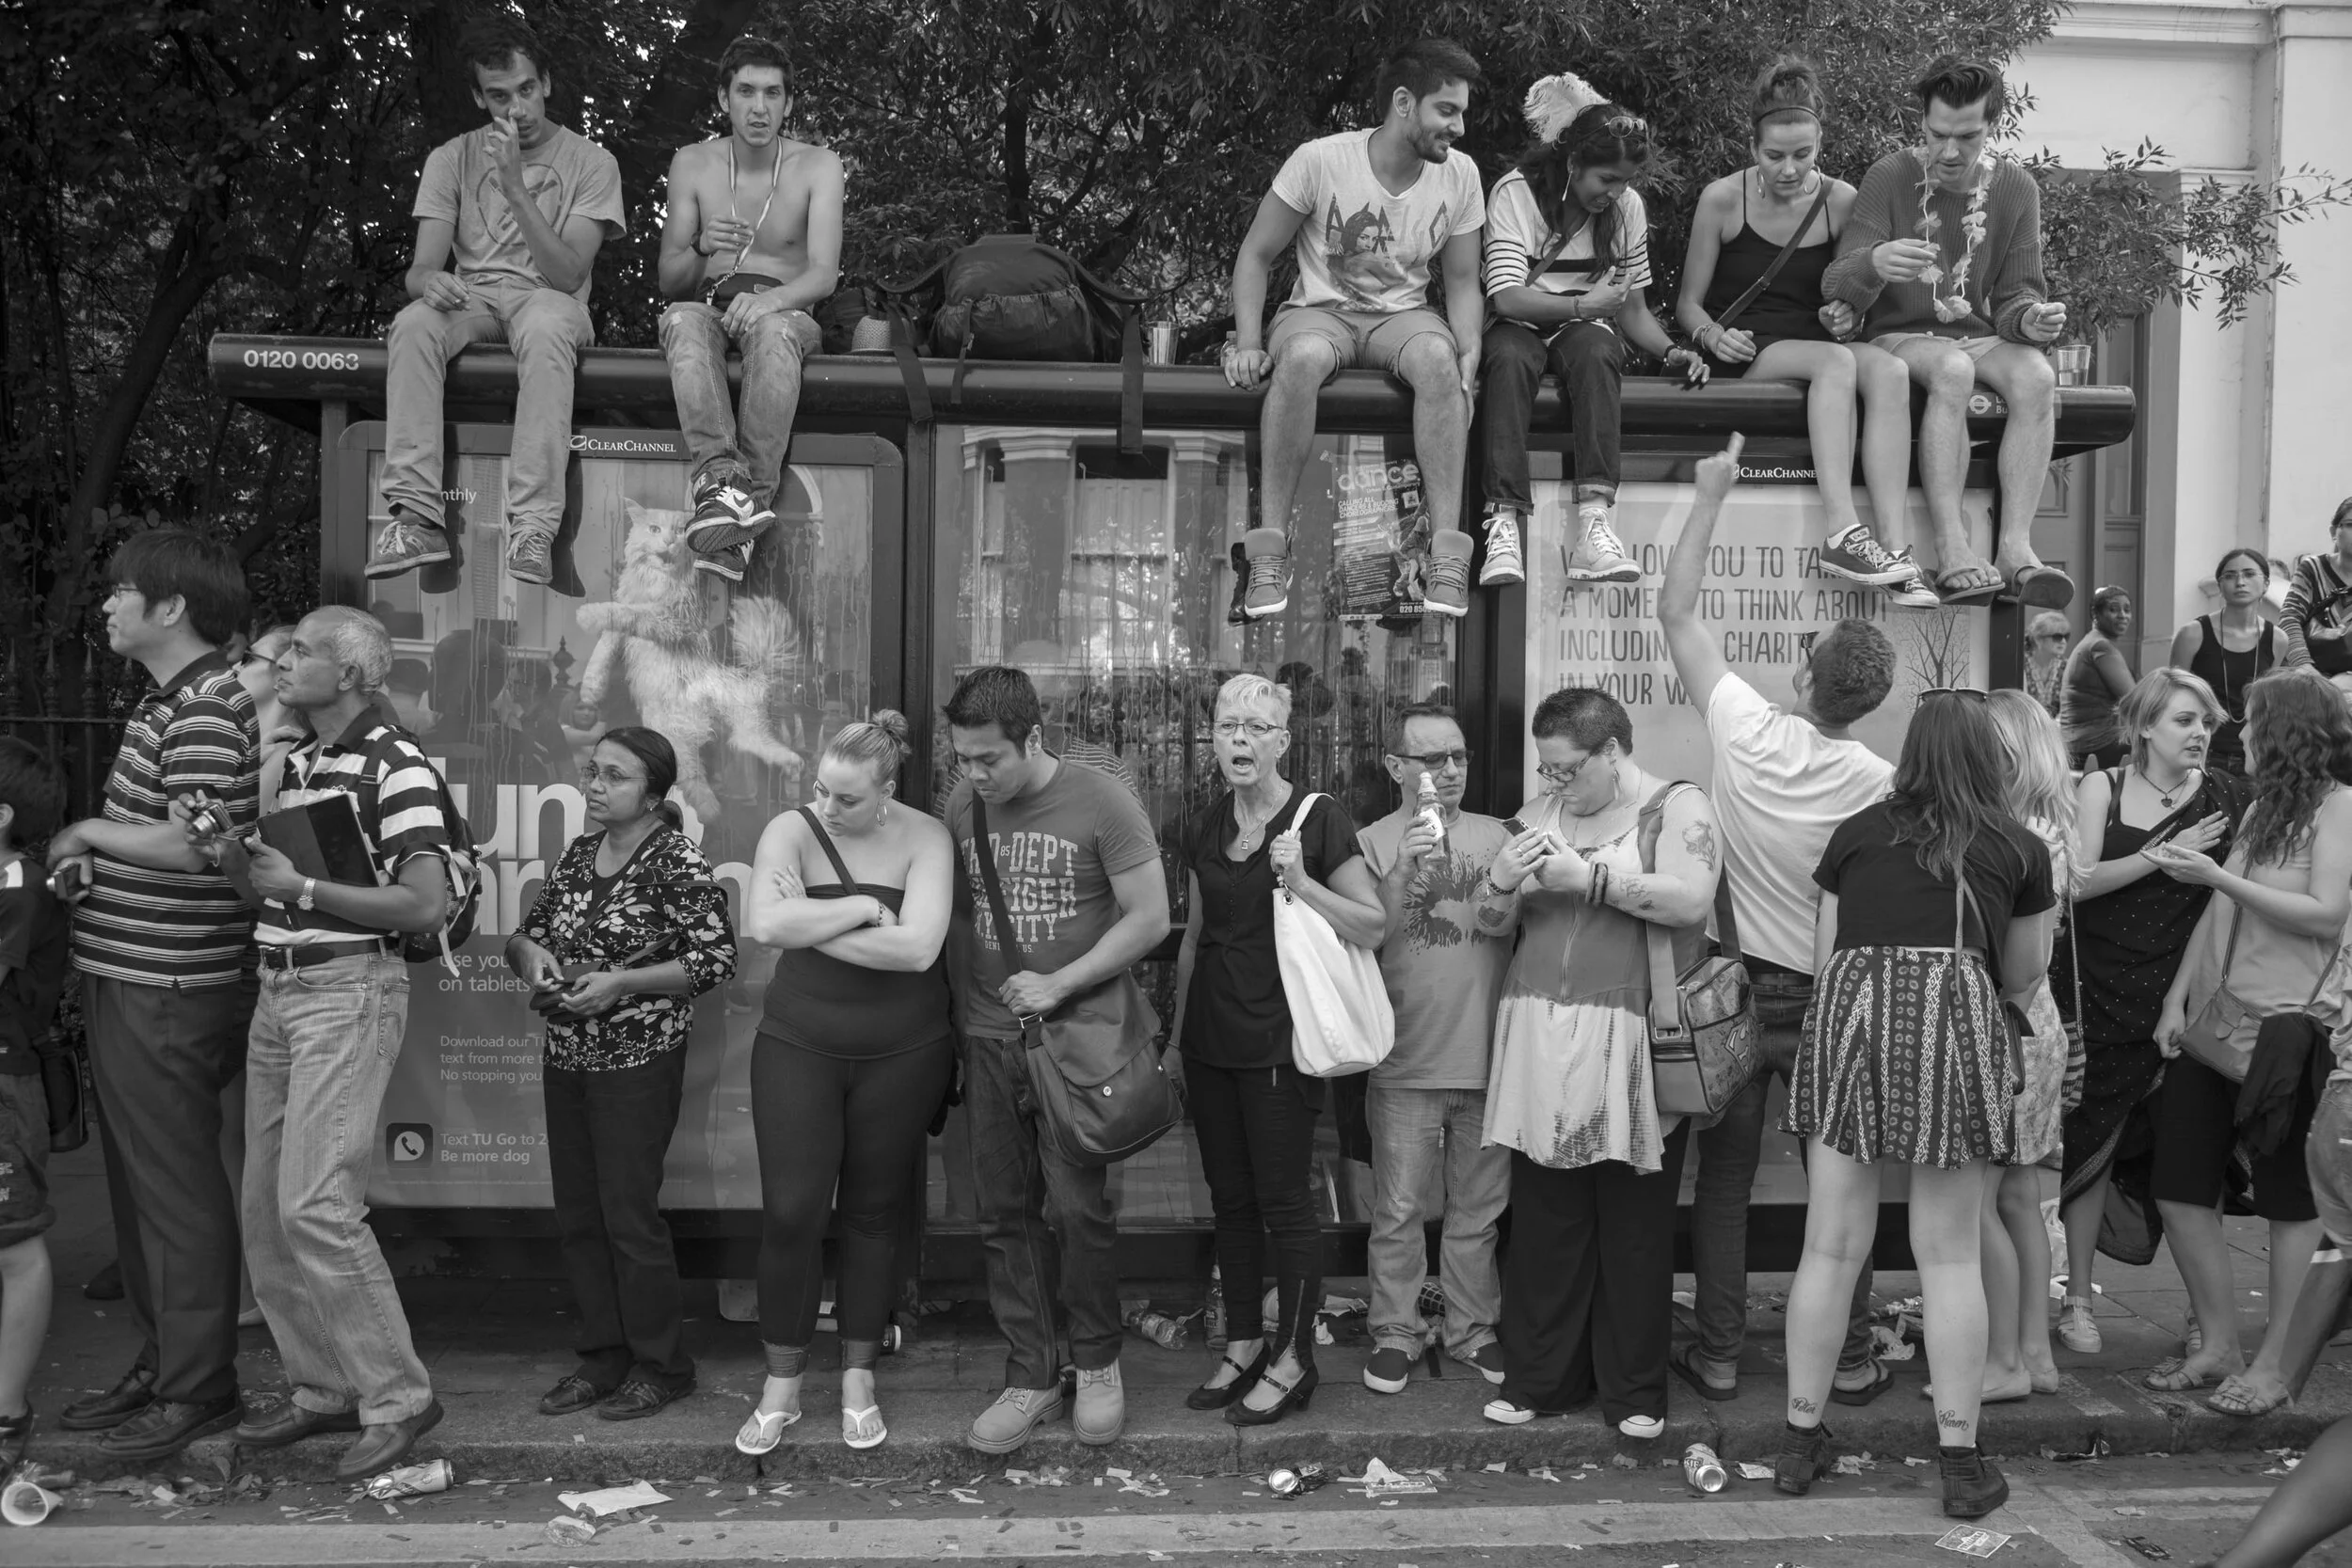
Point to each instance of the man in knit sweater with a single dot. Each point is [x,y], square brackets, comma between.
[1942,262]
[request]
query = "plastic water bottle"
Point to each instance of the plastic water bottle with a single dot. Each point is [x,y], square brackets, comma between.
[1702,1469]
[1429,810]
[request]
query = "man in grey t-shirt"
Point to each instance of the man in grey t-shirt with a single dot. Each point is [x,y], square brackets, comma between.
[521,206]
[1426,1103]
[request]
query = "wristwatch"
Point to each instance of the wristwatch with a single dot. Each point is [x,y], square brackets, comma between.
[309,891]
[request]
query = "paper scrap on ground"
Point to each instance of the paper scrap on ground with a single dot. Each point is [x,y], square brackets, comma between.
[1854,1463]
[1129,1481]
[1972,1541]
[565,1531]
[1545,1474]
[1378,1481]
[1750,1470]
[613,1499]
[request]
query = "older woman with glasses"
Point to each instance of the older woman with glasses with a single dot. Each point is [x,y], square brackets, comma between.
[2046,636]
[1608,850]
[2097,677]
[1254,1111]
[2232,651]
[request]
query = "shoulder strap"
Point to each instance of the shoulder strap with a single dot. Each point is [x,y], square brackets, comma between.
[1665,993]
[1298,811]
[824,842]
[987,857]
[1787,249]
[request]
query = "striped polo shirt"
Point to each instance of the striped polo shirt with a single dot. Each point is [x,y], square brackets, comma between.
[398,801]
[196,731]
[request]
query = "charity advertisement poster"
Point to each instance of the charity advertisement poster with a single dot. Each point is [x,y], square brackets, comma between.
[508,688]
[1380,537]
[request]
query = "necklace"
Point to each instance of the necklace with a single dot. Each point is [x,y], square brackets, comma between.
[1247,835]
[1952,307]
[2162,795]
[776,178]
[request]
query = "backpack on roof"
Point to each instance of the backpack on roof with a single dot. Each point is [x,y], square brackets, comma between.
[1007,296]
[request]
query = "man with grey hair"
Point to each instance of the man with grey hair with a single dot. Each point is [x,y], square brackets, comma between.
[326,1030]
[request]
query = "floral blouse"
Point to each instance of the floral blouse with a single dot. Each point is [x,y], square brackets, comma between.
[647,899]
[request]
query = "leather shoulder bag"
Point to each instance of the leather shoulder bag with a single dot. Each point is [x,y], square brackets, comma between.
[1703,1044]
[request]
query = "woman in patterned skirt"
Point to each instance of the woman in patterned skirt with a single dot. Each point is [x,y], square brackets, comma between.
[1932,903]
[1587,1290]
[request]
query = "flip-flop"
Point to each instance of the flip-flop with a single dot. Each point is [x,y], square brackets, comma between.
[1680,1361]
[1981,593]
[2037,588]
[1879,1384]
[863,1429]
[2232,1399]
[757,1436]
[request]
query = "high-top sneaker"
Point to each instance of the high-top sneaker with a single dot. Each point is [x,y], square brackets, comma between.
[1597,555]
[1504,564]
[1268,591]
[727,563]
[725,514]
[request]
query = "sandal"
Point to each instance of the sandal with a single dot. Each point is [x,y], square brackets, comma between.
[2234,1399]
[1883,1379]
[2038,588]
[1685,1365]
[760,1432]
[2173,1377]
[1970,593]
[863,1429]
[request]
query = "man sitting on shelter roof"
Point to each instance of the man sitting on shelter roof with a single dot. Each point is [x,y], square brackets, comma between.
[526,205]
[751,241]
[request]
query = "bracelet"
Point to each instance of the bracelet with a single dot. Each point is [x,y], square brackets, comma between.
[1597,889]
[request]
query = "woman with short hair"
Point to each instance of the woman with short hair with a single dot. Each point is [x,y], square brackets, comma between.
[629,928]
[2231,650]
[2097,677]
[853,1056]
[2046,636]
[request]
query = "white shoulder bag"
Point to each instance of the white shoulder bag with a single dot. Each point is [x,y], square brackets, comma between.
[1340,1021]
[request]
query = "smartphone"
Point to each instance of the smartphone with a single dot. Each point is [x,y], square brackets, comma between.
[1513,826]
[71,879]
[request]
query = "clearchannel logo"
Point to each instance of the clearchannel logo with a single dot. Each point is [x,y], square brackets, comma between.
[626,446]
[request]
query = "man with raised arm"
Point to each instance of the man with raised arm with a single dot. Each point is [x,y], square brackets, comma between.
[751,241]
[1784,780]
[510,216]
[1369,210]
[1941,259]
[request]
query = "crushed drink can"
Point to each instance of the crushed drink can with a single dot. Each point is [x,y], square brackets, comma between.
[411,1481]
[1288,1483]
[1702,1469]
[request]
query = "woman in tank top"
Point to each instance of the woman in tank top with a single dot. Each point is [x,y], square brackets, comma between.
[2231,650]
[1781,334]
[854,1057]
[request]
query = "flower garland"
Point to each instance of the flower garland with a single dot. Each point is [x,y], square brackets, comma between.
[1954,306]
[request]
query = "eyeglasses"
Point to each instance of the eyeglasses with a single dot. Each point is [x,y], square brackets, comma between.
[1435,760]
[1231,729]
[1975,693]
[2051,636]
[1553,772]
[611,776]
[1805,641]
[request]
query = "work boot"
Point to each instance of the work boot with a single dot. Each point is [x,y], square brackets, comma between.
[1972,1487]
[1803,1459]
[1504,564]
[1018,1412]
[1446,589]
[1101,1414]
[1269,588]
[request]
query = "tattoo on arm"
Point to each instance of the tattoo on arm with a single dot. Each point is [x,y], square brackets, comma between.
[1699,838]
[1632,894]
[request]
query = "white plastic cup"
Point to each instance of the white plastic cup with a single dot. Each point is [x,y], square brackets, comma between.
[27,1502]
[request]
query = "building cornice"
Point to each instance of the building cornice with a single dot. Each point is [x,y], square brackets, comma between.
[2175,26]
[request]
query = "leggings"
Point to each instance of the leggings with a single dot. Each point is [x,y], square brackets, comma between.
[843,1132]
[1256,1128]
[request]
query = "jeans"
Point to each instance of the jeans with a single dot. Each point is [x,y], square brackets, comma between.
[1256,1128]
[325,1038]
[1589,359]
[1413,1131]
[746,450]
[161,1056]
[1729,1153]
[607,1132]
[1045,1226]
[547,329]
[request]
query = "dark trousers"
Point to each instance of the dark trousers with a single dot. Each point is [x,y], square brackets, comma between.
[607,1132]
[1046,1229]
[1589,359]
[1588,1289]
[161,1056]
[837,1134]
[1728,1153]
[1256,1128]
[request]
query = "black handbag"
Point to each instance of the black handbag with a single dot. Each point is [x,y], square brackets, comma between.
[64,1081]
[1101,1091]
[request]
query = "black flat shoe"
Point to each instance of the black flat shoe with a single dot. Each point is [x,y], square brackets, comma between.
[572,1392]
[1218,1397]
[639,1397]
[118,1405]
[290,1423]
[384,1444]
[1294,1397]
[167,1426]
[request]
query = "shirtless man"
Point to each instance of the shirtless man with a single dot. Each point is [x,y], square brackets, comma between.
[748,281]
[510,216]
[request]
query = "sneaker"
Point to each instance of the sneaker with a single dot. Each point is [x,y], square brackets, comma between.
[1644,1429]
[1972,1487]
[1268,591]
[727,564]
[1598,555]
[1237,613]
[1101,1414]
[1507,1413]
[531,554]
[1018,1412]
[725,514]
[405,543]
[1857,556]
[2077,1329]
[1504,564]
[1803,1459]
[1389,1370]
[1488,1358]
[1446,583]
[1916,592]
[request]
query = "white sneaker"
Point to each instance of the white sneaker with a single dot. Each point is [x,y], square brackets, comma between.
[1598,555]
[2077,1329]
[1503,564]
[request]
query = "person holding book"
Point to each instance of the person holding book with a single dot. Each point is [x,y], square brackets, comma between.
[326,1030]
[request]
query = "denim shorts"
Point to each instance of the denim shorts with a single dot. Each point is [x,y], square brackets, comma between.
[24,1211]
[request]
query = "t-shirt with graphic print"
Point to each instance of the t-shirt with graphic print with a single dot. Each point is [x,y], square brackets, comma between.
[1057,850]
[567,174]
[1444,974]
[1362,249]
[1517,239]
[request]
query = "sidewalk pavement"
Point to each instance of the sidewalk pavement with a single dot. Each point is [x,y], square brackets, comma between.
[495,1345]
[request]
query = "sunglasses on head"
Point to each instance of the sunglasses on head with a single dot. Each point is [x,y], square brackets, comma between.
[1972,692]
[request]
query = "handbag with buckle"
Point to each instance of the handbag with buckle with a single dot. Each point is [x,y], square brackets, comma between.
[1703,1042]
[1101,1091]
[2213,1035]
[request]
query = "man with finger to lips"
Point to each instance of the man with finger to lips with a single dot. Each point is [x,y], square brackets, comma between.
[510,216]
